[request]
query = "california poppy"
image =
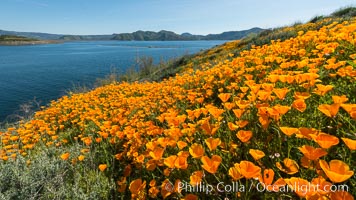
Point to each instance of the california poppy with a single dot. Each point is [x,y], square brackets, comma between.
[337,171]
[351,144]
[312,153]
[65,156]
[289,131]
[169,161]
[340,99]
[136,186]
[329,110]
[289,166]
[212,143]
[300,186]
[102,167]
[211,165]
[196,150]
[244,136]
[181,162]
[224,97]
[234,172]
[249,170]
[157,153]
[256,154]
[325,140]
[280,92]
[196,178]
[300,105]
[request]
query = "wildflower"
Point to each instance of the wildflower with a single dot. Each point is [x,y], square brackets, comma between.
[337,171]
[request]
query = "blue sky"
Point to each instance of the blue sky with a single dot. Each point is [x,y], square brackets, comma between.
[121,16]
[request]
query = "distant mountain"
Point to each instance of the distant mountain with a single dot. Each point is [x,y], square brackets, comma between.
[138,36]
[40,36]
[168,35]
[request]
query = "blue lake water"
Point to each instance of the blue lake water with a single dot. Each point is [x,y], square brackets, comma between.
[46,72]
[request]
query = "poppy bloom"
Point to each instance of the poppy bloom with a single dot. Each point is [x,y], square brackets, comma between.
[289,166]
[329,110]
[312,153]
[65,156]
[337,171]
[234,172]
[169,161]
[351,144]
[212,143]
[136,186]
[289,131]
[256,154]
[224,97]
[244,136]
[102,167]
[280,92]
[196,178]
[300,105]
[157,153]
[181,162]
[196,150]
[325,140]
[249,170]
[300,186]
[211,165]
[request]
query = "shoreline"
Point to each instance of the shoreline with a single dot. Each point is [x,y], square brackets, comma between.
[23,43]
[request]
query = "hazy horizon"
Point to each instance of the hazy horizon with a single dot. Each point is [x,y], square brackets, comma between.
[196,17]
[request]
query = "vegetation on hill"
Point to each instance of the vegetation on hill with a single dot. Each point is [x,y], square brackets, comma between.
[271,116]
[13,38]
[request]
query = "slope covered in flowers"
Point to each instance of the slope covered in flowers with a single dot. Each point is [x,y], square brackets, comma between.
[279,115]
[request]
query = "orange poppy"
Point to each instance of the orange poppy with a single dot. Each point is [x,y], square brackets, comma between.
[329,110]
[289,166]
[256,154]
[322,184]
[249,170]
[196,178]
[325,140]
[212,143]
[341,195]
[224,97]
[211,165]
[312,153]
[322,89]
[289,131]
[281,92]
[232,126]
[301,95]
[81,158]
[340,99]
[234,172]
[300,186]
[157,153]
[208,128]
[238,112]
[181,162]
[167,188]
[190,197]
[181,144]
[216,112]
[196,150]
[169,161]
[268,176]
[136,186]
[65,156]
[281,109]
[337,171]
[244,136]
[102,167]
[351,144]
[300,105]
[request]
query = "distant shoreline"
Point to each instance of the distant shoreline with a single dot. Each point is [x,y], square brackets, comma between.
[34,42]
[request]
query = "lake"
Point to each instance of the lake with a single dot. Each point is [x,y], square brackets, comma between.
[46,72]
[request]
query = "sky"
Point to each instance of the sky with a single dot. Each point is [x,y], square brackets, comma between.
[88,17]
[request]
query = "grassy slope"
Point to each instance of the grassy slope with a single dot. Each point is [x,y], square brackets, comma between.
[287,93]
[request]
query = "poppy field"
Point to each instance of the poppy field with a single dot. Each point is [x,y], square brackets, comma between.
[277,120]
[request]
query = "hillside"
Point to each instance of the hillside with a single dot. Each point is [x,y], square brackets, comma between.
[271,116]
[14,40]
[138,36]
[171,36]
